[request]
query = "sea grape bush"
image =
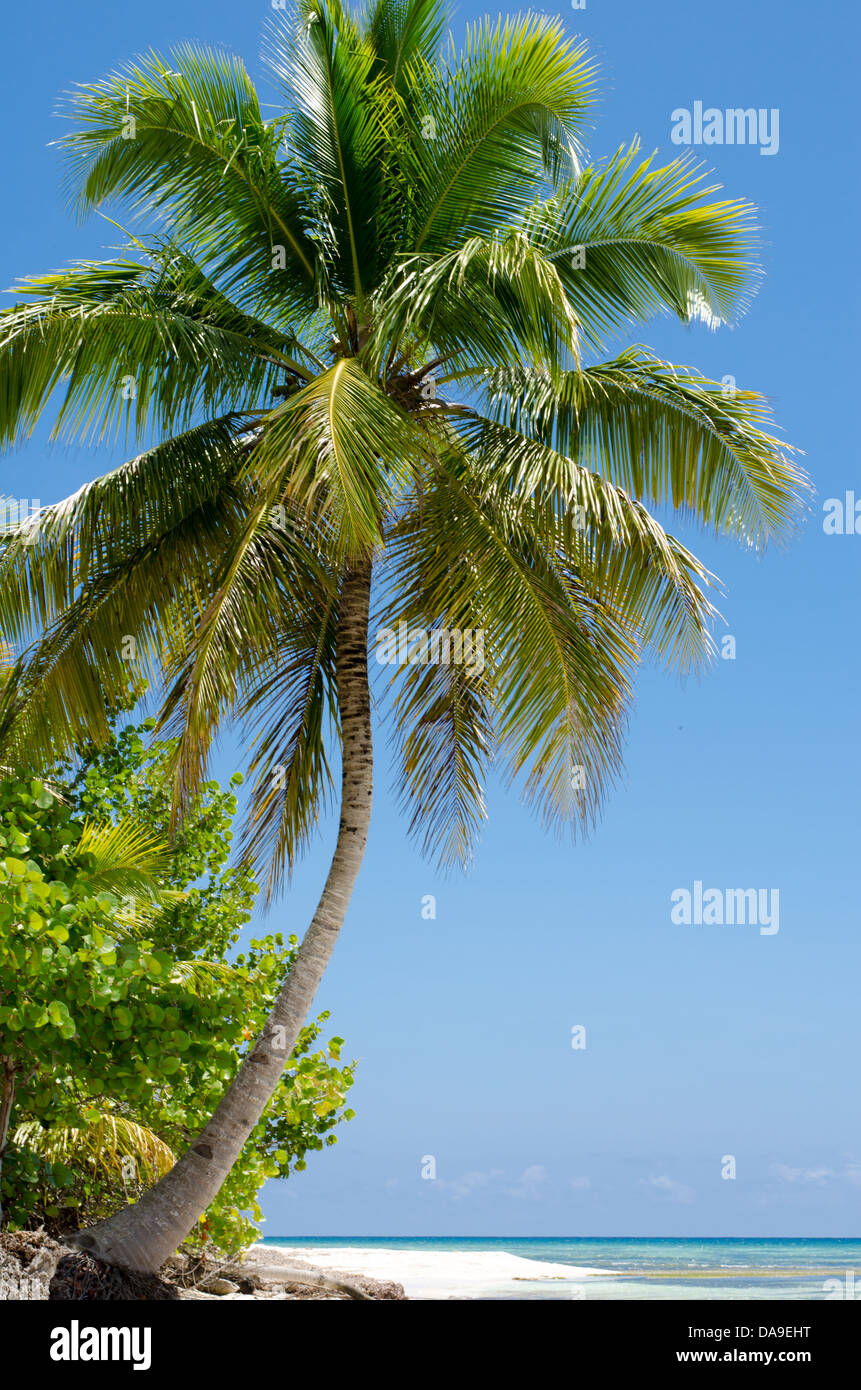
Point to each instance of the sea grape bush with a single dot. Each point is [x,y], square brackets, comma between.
[118,1037]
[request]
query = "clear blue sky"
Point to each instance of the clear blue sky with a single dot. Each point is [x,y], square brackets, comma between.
[701,1041]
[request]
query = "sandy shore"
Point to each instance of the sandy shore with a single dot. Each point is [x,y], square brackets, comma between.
[32,1266]
[271,1267]
[436,1274]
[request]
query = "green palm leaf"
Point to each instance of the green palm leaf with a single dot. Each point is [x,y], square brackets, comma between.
[402,31]
[126,860]
[101,1143]
[407,215]
[186,136]
[147,343]
[669,437]
[628,239]
[509,112]
[338,129]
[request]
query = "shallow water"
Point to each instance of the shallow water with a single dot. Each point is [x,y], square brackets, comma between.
[624,1269]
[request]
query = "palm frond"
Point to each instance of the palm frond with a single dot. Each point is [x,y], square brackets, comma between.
[267,575]
[294,715]
[185,135]
[149,343]
[101,1143]
[401,31]
[630,239]
[491,126]
[557,662]
[646,576]
[119,570]
[338,130]
[341,449]
[199,976]
[495,301]
[129,862]
[668,437]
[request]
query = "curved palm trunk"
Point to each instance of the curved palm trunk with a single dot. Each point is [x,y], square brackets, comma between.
[7,1100]
[142,1236]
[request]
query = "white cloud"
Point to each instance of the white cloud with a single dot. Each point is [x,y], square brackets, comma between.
[668,1187]
[468,1183]
[493,1182]
[529,1183]
[814,1175]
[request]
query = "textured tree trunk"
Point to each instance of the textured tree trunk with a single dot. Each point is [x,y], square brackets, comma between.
[7,1100]
[142,1236]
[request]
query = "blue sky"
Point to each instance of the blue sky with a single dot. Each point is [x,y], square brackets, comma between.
[702,1041]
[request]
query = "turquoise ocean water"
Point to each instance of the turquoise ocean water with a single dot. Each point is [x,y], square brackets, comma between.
[659,1268]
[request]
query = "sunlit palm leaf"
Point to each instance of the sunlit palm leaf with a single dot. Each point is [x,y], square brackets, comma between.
[324,284]
[669,437]
[129,862]
[629,238]
[403,30]
[506,114]
[101,1145]
[198,148]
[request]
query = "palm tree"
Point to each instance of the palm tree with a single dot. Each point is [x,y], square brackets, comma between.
[367,337]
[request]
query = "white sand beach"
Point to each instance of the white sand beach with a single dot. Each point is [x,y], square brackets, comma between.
[432,1274]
